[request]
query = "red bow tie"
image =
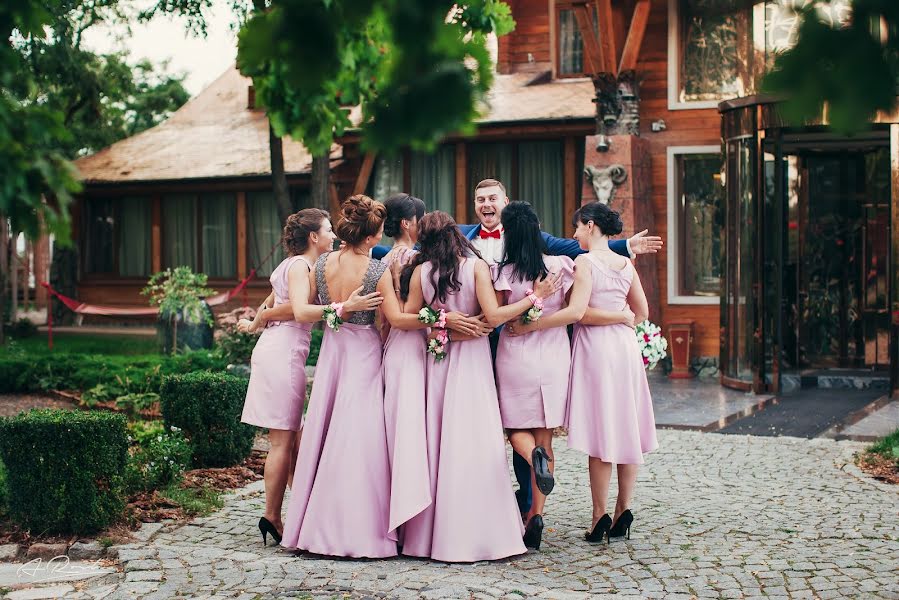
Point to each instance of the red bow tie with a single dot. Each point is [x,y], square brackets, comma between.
[486,235]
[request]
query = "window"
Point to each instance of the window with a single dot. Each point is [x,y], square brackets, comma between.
[532,171]
[263,233]
[569,45]
[695,197]
[714,55]
[432,178]
[200,232]
[117,236]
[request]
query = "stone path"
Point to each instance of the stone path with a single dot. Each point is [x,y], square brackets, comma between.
[716,517]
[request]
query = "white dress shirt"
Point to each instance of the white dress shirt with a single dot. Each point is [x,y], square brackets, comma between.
[491,249]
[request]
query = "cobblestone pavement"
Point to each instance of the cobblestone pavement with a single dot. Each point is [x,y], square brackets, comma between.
[716,517]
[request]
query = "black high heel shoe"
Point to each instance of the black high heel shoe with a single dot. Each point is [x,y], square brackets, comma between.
[622,526]
[600,531]
[266,527]
[533,532]
[540,461]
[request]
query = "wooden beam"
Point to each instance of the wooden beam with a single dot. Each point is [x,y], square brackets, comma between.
[608,51]
[461,183]
[592,49]
[368,164]
[241,235]
[569,196]
[635,35]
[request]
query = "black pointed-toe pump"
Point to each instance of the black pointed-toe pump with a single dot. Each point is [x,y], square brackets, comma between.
[600,531]
[266,527]
[622,526]
[540,461]
[533,532]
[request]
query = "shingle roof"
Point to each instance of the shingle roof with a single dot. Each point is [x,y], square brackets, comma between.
[512,99]
[213,135]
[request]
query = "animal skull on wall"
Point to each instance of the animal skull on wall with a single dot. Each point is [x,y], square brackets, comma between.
[604,181]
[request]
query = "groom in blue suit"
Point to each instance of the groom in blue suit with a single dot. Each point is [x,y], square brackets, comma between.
[486,236]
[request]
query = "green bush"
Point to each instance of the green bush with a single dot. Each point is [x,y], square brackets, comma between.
[207,407]
[157,459]
[4,489]
[22,329]
[314,347]
[64,469]
[21,372]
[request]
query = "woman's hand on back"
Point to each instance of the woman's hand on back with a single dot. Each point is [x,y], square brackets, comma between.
[548,286]
[359,302]
[466,325]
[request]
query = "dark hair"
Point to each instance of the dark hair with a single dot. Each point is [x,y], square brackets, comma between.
[401,206]
[298,227]
[360,217]
[490,183]
[608,221]
[443,245]
[523,244]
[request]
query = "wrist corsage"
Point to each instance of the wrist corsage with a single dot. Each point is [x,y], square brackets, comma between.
[435,317]
[437,345]
[333,315]
[536,311]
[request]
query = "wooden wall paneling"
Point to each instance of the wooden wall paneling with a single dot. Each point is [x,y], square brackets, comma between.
[461,183]
[241,235]
[334,200]
[569,196]
[156,235]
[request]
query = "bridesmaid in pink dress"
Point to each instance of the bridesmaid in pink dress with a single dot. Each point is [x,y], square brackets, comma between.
[474,515]
[404,366]
[277,390]
[610,415]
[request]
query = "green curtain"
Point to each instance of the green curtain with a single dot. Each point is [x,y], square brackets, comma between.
[388,176]
[179,231]
[135,220]
[219,235]
[540,182]
[264,232]
[490,161]
[433,178]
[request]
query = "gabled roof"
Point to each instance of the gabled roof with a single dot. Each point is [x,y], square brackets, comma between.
[213,135]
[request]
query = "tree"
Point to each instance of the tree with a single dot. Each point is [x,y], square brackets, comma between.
[419,70]
[851,69]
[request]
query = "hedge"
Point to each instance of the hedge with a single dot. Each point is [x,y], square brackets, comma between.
[22,373]
[207,408]
[64,469]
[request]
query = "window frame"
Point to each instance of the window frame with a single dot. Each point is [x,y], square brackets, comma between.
[674,242]
[198,228]
[557,7]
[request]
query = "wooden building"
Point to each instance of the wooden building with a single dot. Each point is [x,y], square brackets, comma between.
[677,142]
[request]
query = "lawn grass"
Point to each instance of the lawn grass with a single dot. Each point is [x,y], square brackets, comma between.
[887,447]
[76,343]
[194,501]
[881,459]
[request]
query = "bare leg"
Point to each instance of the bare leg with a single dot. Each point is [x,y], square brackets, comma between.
[294,453]
[541,437]
[277,464]
[523,443]
[600,475]
[627,481]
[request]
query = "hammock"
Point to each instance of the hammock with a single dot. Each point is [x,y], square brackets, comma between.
[83,308]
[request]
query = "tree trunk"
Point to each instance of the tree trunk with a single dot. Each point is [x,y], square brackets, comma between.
[279,178]
[321,173]
[13,277]
[4,270]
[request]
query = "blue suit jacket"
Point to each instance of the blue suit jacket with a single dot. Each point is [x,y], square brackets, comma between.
[555,246]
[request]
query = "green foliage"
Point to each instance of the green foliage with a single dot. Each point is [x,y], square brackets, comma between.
[85,344]
[64,469]
[207,407]
[850,69]
[180,291]
[419,70]
[21,329]
[194,501]
[158,458]
[887,447]
[134,403]
[314,347]
[119,375]
[4,489]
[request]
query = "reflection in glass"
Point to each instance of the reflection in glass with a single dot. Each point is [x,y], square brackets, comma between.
[700,196]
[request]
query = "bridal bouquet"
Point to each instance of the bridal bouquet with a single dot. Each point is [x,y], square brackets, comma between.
[652,343]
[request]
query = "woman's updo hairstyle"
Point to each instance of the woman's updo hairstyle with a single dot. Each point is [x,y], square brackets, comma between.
[401,206]
[298,227]
[360,217]
[608,221]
